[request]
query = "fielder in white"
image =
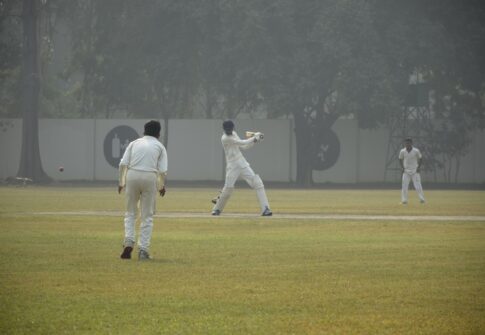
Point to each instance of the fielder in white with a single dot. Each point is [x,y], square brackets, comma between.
[410,160]
[237,166]
[142,171]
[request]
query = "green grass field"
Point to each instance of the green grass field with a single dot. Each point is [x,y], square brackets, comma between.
[61,274]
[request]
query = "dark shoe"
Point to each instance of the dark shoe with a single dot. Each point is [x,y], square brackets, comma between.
[216,212]
[267,212]
[143,255]
[126,252]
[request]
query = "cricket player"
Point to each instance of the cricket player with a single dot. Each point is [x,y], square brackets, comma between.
[142,172]
[237,166]
[410,161]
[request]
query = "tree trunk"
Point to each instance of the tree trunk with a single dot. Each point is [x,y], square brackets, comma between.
[30,162]
[457,168]
[165,117]
[304,155]
[165,131]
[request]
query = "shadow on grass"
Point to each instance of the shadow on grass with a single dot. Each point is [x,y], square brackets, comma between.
[157,261]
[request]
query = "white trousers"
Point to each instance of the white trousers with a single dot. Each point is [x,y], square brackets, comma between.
[416,178]
[253,180]
[141,188]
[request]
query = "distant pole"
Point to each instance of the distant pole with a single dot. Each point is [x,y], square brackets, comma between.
[94,145]
[30,162]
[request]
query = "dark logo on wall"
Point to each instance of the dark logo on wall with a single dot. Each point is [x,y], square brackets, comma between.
[116,142]
[327,151]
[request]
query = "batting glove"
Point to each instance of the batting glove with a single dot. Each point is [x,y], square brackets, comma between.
[259,136]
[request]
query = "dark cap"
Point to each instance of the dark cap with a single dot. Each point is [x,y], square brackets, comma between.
[228,125]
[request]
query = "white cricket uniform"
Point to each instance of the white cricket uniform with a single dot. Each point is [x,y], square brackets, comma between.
[410,162]
[146,162]
[237,166]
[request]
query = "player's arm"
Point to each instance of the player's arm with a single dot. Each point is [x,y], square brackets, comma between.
[247,141]
[256,137]
[162,171]
[122,177]
[244,144]
[247,146]
[401,161]
[420,160]
[123,168]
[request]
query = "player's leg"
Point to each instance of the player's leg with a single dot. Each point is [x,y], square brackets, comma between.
[232,173]
[215,199]
[256,183]
[405,186]
[147,204]
[418,187]
[132,196]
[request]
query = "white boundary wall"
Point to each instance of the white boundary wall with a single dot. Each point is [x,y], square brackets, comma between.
[195,152]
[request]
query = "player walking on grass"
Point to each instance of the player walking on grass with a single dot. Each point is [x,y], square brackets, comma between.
[237,166]
[410,161]
[142,171]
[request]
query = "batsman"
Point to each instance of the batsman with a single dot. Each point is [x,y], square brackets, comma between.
[237,166]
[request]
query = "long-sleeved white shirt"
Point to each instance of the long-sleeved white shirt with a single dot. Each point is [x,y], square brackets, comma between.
[232,145]
[144,154]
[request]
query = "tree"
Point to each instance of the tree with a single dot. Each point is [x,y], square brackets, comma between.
[442,41]
[330,67]
[314,60]
[10,58]
[30,161]
[457,80]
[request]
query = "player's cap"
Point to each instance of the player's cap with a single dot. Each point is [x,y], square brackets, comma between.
[228,125]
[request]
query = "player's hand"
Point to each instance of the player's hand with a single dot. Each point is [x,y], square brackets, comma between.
[120,188]
[162,191]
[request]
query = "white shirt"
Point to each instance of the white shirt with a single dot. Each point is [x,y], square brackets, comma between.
[146,154]
[410,159]
[232,144]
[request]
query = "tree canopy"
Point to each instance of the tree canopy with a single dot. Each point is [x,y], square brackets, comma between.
[313,60]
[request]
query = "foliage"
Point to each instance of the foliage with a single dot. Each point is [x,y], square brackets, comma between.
[315,61]
[443,42]
[10,58]
[335,68]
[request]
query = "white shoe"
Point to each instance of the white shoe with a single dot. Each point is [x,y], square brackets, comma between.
[143,255]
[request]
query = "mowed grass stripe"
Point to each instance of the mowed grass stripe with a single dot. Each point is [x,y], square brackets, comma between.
[197,200]
[276,216]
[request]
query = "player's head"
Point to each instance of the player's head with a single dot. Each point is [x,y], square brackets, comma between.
[152,128]
[408,143]
[228,127]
